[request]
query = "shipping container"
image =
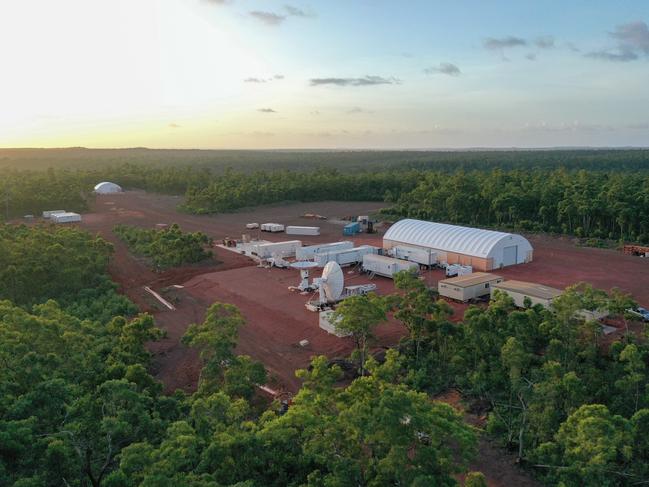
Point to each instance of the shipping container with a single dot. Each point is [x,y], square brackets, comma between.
[295,230]
[307,253]
[272,227]
[352,228]
[345,257]
[419,255]
[453,270]
[66,217]
[282,249]
[49,213]
[387,266]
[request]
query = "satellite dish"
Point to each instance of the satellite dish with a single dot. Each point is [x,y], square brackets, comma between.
[333,281]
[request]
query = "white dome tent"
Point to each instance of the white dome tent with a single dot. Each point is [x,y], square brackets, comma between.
[107,188]
[485,250]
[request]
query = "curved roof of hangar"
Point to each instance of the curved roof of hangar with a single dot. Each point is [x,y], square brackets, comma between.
[452,238]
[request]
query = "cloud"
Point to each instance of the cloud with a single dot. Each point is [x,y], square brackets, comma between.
[355,110]
[364,81]
[632,41]
[444,68]
[276,77]
[544,42]
[531,56]
[621,56]
[268,18]
[218,2]
[493,43]
[266,110]
[174,125]
[297,12]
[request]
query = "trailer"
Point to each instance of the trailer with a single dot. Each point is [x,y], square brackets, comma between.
[49,213]
[352,228]
[296,230]
[271,249]
[272,227]
[387,266]
[419,255]
[67,217]
[307,253]
[345,257]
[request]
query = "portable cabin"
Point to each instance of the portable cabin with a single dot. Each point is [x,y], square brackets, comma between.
[468,287]
[345,257]
[282,249]
[519,290]
[419,255]
[387,266]
[307,253]
[296,230]
[49,213]
[272,227]
[67,217]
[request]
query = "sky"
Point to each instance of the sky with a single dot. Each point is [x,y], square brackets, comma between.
[344,74]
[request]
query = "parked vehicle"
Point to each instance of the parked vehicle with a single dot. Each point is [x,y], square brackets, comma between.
[640,312]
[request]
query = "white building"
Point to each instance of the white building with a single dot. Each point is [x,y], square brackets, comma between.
[107,188]
[484,250]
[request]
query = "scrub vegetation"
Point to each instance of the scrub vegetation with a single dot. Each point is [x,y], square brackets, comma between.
[167,247]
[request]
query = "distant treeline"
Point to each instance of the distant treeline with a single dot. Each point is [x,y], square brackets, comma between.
[589,193]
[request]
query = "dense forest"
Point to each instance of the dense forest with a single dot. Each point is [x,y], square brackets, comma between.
[166,247]
[588,193]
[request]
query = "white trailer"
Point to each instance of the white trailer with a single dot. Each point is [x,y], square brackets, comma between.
[66,217]
[387,266]
[49,213]
[295,230]
[280,249]
[345,257]
[307,253]
[419,255]
[272,227]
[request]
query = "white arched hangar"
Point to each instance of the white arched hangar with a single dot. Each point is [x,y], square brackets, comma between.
[485,250]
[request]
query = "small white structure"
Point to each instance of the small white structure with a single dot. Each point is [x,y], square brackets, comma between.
[306,253]
[387,266]
[295,230]
[304,266]
[107,187]
[252,226]
[345,257]
[276,249]
[67,217]
[49,213]
[485,250]
[272,227]
[519,290]
[467,287]
[453,270]
[327,323]
[419,255]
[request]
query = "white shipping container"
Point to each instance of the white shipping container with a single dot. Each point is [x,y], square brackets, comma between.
[387,266]
[65,217]
[307,253]
[282,249]
[49,213]
[295,230]
[345,257]
[272,227]
[458,270]
[415,254]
